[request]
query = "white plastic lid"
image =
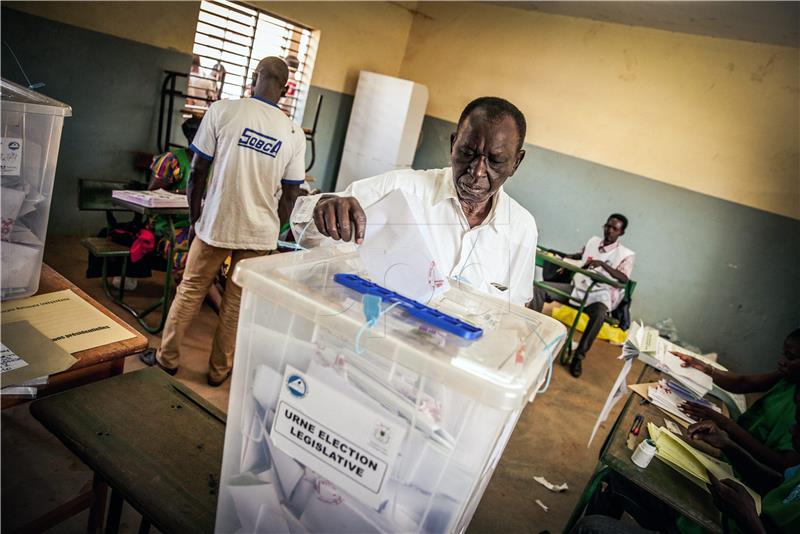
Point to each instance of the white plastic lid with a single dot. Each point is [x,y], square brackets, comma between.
[14,97]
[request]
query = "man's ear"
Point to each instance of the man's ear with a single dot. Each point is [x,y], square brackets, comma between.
[520,157]
[452,141]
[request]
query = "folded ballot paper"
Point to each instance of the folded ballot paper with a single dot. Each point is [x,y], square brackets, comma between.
[690,462]
[644,343]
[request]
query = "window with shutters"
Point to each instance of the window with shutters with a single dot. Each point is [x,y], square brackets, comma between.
[231,38]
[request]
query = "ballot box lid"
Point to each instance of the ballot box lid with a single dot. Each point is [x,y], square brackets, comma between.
[14,97]
[503,368]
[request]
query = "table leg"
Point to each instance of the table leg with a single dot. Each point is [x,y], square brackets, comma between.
[96,513]
[114,512]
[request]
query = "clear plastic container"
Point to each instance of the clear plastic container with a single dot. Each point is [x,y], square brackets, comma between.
[336,427]
[31,135]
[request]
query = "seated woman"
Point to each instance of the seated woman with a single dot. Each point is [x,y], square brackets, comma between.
[780,506]
[762,430]
[780,491]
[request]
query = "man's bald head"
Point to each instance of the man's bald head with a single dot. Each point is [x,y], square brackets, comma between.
[270,78]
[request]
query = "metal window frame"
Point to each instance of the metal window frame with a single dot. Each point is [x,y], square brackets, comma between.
[261,20]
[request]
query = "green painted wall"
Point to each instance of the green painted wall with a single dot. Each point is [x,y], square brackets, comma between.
[725,273]
[113,86]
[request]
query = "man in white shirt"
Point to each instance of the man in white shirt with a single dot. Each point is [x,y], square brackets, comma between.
[480,235]
[610,258]
[259,163]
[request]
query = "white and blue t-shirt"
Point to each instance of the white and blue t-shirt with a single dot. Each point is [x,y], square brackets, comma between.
[254,146]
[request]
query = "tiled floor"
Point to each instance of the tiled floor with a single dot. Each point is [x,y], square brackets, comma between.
[550,439]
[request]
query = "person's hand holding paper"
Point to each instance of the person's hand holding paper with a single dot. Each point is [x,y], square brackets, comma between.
[340,218]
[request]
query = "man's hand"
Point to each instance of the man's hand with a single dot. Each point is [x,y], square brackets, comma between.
[734,501]
[711,433]
[594,263]
[341,218]
[691,361]
[699,412]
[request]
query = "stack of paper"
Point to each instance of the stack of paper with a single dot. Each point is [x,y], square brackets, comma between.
[644,342]
[669,395]
[690,462]
[152,199]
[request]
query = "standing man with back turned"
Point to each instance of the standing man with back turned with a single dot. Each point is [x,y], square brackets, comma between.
[259,163]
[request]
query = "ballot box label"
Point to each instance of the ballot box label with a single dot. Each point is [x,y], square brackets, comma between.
[352,445]
[10,156]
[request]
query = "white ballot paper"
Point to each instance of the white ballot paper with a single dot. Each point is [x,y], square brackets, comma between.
[396,251]
[618,391]
[345,441]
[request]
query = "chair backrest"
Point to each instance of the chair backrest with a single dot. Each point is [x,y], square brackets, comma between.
[311,131]
[95,195]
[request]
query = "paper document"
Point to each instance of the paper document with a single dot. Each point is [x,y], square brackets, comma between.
[65,318]
[27,355]
[616,393]
[690,462]
[396,252]
[644,343]
[153,199]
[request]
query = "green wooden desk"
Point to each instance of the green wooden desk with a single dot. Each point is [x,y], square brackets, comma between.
[165,301]
[151,439]
[542,255]
[658,479]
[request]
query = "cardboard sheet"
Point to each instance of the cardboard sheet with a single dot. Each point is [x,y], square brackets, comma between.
[27,354]
[66,319]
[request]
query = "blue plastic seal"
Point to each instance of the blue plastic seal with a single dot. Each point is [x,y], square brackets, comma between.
[432,316]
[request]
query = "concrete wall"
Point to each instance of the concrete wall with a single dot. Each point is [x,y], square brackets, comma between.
[114,103]
[715,116]
[354,36]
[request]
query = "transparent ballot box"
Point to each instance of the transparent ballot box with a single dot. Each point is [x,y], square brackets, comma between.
[340,425]
[31,135]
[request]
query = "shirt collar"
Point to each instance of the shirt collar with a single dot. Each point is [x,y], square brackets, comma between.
[447,190]
[265,100]
[607,248]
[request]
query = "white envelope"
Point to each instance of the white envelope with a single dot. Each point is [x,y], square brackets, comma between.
[396,252]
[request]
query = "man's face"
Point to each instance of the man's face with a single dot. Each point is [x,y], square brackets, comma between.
[483,155]
[612,230]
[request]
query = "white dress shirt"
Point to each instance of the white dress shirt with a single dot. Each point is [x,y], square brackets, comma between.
[497,257]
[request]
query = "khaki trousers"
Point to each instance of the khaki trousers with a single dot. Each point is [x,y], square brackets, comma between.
[202,266]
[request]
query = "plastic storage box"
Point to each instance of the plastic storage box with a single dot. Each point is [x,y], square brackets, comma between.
[31,135]
[334,426]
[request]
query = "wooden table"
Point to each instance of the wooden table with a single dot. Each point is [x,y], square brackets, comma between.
[658,479]
[151,439]
[93,364]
